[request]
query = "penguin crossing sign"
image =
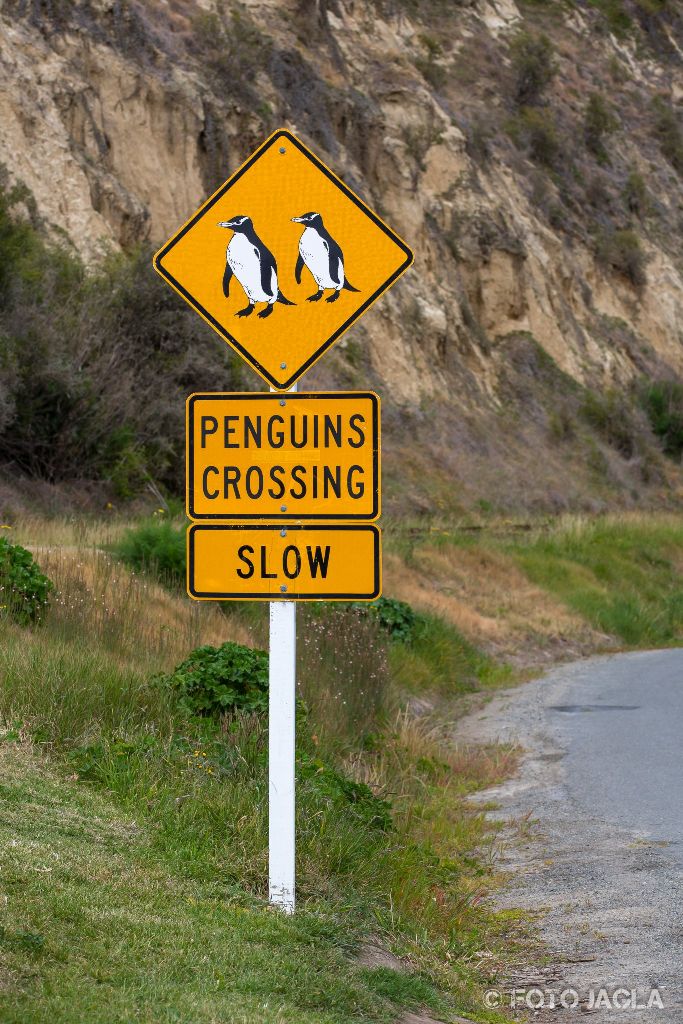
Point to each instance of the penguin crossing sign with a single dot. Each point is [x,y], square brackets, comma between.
[294,457]
[282,259]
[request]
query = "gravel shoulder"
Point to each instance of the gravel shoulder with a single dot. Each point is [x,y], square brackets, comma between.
[593,835]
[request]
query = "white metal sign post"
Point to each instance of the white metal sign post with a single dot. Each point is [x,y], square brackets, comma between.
[282,752]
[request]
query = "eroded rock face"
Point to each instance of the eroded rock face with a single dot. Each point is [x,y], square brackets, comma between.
[121,117]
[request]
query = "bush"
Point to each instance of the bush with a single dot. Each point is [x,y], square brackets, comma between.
[218,680]
[663,404]
[95,367]
[533,66]
[635,193]
[613,417]
[667,131]
[536,130]
[599,121]
[621,250]
[618,19]
[155,547]
[341,791]
[24,589]
[396,617]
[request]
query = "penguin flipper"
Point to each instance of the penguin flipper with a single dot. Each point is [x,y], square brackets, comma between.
[226,280]
[299,267]
[268,272]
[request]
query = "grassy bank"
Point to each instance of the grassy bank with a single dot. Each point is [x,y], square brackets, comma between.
[554,591]
[135,835]
[136,850]
[623,576]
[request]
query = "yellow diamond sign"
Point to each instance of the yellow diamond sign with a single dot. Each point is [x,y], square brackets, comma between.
[282,259]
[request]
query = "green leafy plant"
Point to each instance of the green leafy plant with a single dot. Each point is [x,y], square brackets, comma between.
[635,193]
[599,121]
[396,617]
[24,589]
[533,66]
[330,784]
[218,680]
[663,404]
[156,546]
[667,131]
[535,129]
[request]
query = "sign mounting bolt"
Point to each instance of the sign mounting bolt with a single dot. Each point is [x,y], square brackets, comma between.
[283,533]
[283,588]
[282,402]
[283,508]
[283,366]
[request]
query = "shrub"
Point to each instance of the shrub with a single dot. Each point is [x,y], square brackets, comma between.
[396,617]
[635,193]
[95,367]
[612,416]
[330,784]
[536,130]
[218,680]
[157,547]
[599,121]
[533,66]
[24,589]
[663,404]
[667,131]
[618,19]
[621,250]
[428,66]
[478,136]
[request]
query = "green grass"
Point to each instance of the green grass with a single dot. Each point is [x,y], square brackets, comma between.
[439,657]
[623,575]
[155,546]
[98,928]
[136,888]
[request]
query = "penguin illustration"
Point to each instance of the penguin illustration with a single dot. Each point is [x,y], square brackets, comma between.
[322,255]
[254,266]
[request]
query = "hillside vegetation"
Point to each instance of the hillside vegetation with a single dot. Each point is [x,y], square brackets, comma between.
[530,153]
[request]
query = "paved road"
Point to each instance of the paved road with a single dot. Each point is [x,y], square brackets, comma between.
[601,785]
[622,727]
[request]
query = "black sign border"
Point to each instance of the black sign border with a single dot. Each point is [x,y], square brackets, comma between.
[279,136]
[289,595]
[283,516]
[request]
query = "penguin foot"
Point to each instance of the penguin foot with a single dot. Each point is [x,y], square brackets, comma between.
[333,297]
[265,312]
[315,298]
[247,311]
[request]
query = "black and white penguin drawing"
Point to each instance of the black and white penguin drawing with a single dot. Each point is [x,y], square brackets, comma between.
[319,252]
[254,266]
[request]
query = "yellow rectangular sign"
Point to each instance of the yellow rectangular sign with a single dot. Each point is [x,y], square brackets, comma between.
[280,562]
[314,455]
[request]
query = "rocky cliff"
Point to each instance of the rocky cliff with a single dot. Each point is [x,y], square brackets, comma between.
[530,153]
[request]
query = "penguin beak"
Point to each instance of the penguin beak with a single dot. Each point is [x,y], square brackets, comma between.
[298,220]
[224,224]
